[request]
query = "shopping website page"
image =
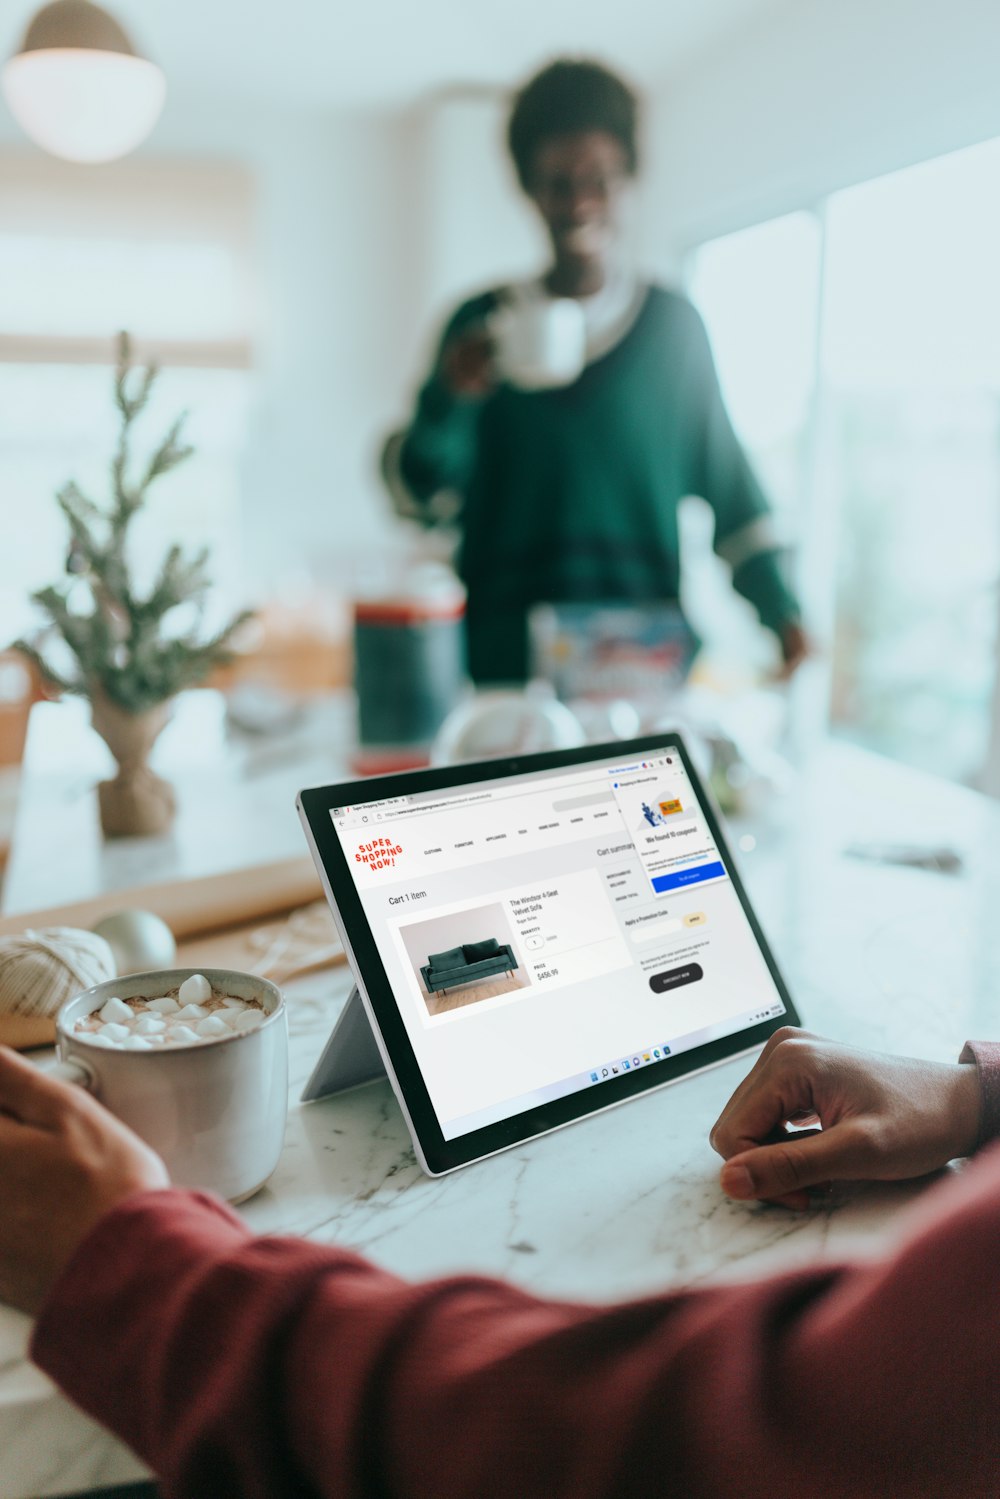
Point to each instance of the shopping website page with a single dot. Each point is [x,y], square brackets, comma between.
[547,933]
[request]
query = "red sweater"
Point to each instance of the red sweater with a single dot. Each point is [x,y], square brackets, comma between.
[240,1367]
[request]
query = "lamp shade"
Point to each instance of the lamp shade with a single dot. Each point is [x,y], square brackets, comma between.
[77,88]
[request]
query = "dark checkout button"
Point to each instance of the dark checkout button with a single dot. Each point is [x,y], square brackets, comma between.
[673,978]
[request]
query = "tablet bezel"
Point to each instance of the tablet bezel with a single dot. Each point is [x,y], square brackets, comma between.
[437,1154]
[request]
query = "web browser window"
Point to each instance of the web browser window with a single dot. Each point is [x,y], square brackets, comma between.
[547,933]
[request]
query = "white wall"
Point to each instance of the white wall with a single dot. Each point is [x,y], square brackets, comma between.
[475,225]
[367,228]
[812,97]
[333,299]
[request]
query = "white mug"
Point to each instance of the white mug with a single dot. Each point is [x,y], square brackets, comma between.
[214,1110]
[540,343]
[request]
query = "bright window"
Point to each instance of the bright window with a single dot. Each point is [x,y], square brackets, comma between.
[911,378]
[758,292]
[900,406]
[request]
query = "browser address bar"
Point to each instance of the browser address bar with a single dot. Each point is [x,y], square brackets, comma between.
[565,804]
[390,812]
[451,801]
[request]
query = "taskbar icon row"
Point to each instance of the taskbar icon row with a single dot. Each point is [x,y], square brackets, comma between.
[621,1065]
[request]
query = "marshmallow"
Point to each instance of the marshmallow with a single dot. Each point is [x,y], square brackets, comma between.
[230,1014]
[114,1032]
[181,1035]
[96,1039]
[117,1011]
[135,1043]
[248,1021]
[212,1026]
[194,990]
[164,1006]
[149,1025]
[191,1012]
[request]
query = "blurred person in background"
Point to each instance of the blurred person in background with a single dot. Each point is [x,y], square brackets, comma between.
[570,494]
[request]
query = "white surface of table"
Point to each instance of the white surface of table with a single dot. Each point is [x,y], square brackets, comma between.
[235,799]
[627,1202]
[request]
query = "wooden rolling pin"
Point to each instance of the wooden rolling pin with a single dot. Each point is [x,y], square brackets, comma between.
[192,907]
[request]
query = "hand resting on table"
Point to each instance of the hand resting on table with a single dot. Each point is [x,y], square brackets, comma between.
[883,1118]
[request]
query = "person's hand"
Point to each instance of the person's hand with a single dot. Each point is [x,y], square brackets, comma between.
[882,1118]
[64,1162]
[796,647]
[468,364]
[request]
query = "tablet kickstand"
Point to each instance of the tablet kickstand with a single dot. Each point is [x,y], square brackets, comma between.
[350,1057]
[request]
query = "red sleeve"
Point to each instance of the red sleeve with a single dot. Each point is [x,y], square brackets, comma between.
[277,1368]
[986,1055]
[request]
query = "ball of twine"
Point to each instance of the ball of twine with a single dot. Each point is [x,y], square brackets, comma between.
[40,970]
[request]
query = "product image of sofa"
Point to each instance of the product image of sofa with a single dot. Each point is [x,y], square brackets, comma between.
[466,964]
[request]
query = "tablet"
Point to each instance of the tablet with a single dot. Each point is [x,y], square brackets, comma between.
[539,938]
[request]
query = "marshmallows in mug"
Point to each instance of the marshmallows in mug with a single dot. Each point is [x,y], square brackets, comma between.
[193,1015]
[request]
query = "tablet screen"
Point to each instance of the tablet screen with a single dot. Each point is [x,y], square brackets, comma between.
[548,933]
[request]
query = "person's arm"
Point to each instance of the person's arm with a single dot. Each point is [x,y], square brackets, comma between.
[855,1115]
[746,536]
[435,454]
[277,1368]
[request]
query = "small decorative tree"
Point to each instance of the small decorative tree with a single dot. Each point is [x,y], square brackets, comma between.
[119,650]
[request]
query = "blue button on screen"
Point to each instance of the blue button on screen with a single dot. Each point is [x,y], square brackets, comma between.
[688,876]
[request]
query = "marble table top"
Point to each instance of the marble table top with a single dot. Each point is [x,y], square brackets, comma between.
[628,1202]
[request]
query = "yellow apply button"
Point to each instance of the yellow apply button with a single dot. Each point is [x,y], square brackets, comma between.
[696,918]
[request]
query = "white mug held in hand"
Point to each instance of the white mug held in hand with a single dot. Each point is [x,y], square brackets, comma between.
[213,1110]
[540,342]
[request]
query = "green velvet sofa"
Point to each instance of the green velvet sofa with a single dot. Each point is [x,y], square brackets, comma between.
[465,964]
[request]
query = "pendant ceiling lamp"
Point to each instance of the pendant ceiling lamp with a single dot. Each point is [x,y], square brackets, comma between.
[77,87]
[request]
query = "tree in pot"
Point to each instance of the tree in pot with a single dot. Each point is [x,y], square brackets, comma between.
[120,648]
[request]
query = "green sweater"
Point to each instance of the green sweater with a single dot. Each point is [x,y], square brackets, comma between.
[571,494]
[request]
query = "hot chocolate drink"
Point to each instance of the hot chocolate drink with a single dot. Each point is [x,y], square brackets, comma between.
[192,1015]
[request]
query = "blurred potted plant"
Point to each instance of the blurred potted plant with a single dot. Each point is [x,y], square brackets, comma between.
[125,651]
